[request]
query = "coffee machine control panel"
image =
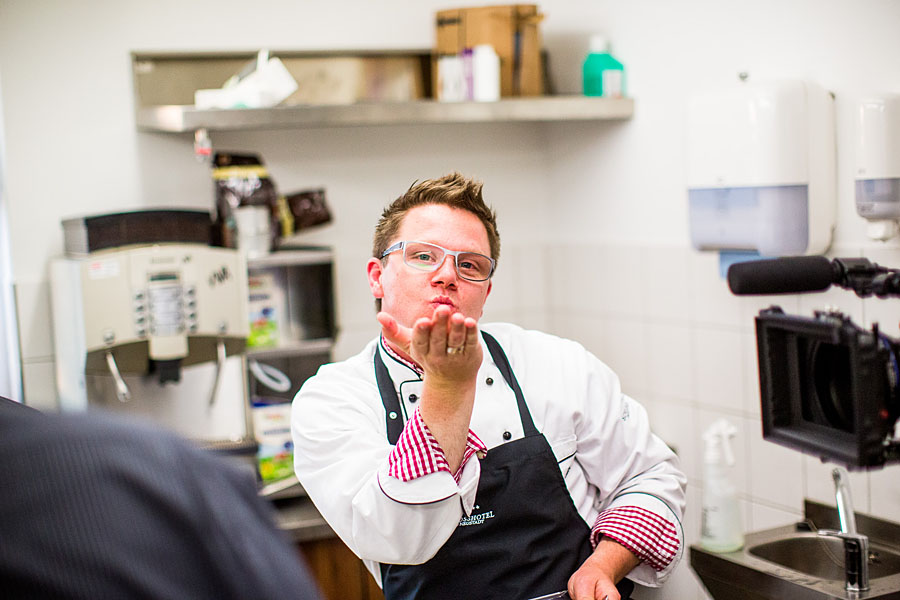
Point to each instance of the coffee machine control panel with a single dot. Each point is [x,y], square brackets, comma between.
[161,296]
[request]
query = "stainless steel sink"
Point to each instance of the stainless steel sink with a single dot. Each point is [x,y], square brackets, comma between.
[794,563]
[823,557]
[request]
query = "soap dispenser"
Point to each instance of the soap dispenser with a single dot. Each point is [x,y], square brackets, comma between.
[721,529]
[602,74]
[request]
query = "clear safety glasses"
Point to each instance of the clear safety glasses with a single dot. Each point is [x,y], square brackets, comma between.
[429,257]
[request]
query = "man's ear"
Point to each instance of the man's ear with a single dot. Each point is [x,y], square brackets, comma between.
[374,270]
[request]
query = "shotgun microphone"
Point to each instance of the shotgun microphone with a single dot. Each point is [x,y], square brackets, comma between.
[800,274]
[788,275]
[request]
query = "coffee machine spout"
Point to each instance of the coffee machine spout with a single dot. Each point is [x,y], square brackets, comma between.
[122,391]
[220,365]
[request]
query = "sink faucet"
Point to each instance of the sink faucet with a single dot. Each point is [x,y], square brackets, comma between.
[846,514]
[856,545]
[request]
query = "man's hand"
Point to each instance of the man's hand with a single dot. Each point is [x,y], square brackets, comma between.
[446,346]
[596,578]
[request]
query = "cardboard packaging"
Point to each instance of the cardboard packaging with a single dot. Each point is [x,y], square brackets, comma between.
[350,79]
[513,31]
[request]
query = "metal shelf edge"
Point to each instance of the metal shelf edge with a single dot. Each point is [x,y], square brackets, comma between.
[181,119]
[291,348]
[291,257]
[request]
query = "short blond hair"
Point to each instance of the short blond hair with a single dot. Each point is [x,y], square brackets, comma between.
[452,190]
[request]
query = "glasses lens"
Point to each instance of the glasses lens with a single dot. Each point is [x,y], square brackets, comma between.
[423,256]
[476,267]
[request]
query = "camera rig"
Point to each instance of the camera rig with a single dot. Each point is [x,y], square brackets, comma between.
[827,386]
[866,278]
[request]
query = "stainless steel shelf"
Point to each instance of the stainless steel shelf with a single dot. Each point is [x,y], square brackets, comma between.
[179,119]
[292,348]
[289,257]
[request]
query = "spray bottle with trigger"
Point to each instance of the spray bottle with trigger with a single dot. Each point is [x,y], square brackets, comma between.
[721,529]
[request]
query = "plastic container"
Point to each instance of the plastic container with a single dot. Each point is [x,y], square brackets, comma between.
[602,74]
[451,85]
[485,74]
[721,529]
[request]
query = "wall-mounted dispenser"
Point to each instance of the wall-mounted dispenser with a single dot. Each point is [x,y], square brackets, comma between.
[878,163]
[154,328]
[761,168]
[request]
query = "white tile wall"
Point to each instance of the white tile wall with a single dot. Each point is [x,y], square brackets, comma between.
[33,316]
[39,384]
[505,286]
[750,373]
[884,489]
[530,319]
[670,360]
[355,305]
[718,369]
[588,330]
[674,423]
[625,351]
[617,280]
[711,302]
[692,514]
[767,517]
[776,473]
[579,279]
[664,285]
[532,265]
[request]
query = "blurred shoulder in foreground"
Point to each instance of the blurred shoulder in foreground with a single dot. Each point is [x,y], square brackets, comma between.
[95,507]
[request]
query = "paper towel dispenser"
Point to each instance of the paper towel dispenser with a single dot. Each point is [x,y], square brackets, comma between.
[878,163]
[761,168]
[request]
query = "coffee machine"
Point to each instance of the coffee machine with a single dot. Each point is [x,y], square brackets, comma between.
[151,321]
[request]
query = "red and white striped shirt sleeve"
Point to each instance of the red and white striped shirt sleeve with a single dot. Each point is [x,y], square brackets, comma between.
[418,453]
[650,537]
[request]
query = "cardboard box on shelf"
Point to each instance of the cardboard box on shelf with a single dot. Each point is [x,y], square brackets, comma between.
[512,30]
[349,79]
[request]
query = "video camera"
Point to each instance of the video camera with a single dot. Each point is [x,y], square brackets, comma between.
[828,387]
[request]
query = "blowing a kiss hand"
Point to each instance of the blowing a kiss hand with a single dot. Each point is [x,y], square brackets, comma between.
[446,346]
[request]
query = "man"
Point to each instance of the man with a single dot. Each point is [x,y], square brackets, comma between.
[469,462]
[93,507]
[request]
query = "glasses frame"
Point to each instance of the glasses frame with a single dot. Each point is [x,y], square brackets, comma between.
[454,253]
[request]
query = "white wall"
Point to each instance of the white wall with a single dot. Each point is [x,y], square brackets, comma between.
[593,215]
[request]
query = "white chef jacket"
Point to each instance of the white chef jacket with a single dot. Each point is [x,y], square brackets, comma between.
[601,438]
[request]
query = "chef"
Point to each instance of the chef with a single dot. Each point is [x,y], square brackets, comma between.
[468,461]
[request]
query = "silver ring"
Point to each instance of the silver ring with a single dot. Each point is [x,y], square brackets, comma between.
[456,350]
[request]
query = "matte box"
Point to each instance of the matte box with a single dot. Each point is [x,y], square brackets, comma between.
[512,30]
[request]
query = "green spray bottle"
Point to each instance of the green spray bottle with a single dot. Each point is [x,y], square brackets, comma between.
[602,74]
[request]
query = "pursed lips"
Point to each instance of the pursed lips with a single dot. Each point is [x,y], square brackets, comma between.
[439,300]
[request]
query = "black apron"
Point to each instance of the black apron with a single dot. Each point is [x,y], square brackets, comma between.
[524,537]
